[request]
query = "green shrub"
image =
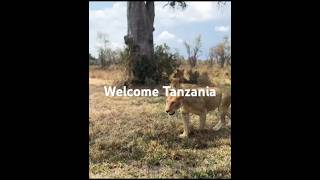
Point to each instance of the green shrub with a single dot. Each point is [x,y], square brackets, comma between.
[166,63]
[142,69]
[156,70]
[193,76]
[204,79]
[149,82]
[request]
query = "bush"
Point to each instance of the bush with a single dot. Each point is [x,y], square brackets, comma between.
[149,82]
[143,69]
[124,57]
[166,63]
[150,71]
[204,79]
[193,76]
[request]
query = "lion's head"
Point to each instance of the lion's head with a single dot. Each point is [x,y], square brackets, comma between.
[178,74]
[173,103]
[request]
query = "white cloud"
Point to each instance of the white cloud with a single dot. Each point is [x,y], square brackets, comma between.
[221,28]
[164,35]
[111,21]
[195,12]
[167,37]
[179,40]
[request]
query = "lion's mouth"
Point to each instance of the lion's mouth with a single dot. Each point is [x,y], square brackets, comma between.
[172,113]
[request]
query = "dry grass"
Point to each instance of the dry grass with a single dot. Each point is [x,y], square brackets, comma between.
[132,137]
[216,74]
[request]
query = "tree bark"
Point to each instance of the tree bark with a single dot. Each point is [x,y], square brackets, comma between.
[139,38]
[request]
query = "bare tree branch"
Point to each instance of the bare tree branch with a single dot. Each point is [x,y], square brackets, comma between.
[174,4]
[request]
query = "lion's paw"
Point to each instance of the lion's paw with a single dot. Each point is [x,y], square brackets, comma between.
[229,124]
[183,135]
[217,127]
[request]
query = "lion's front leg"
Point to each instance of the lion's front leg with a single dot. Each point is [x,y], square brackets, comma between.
[229,120]
[202,120]
[218,126]
[186,125]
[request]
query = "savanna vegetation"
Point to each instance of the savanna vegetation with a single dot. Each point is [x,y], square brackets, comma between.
[133,137]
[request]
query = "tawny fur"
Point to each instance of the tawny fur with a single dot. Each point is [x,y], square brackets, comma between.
[200,105]
[178,76]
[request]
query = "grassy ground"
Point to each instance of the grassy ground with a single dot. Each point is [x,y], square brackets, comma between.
[133,136]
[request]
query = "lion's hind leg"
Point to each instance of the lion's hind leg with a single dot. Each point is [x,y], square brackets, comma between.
[223,110]
[229,118]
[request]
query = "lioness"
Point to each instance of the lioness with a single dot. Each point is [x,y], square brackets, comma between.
[178,75]
[200,105]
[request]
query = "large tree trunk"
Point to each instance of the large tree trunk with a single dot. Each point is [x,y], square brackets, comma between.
[140,17]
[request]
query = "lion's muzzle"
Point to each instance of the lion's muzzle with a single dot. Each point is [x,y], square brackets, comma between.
[170,113]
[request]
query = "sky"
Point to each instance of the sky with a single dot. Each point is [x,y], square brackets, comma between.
[172,26]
